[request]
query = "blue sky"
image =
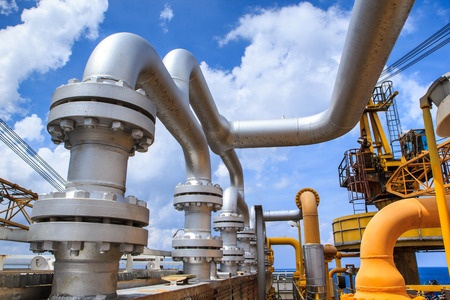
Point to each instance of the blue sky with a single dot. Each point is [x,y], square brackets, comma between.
[261,59]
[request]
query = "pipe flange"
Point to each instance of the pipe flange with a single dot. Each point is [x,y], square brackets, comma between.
[246,234]
[297,197]
[74,217]
[78,205]
[198,194]
[197,243]
[97,104]
[228,222]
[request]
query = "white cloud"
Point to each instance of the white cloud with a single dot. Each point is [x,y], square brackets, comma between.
[8,7]
[30,128]
[165,17]
[293,51]
[43,42]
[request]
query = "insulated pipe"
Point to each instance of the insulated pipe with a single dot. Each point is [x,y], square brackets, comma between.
[373,30]
[378,277]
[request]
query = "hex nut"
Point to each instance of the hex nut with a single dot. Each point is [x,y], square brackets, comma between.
[137,133]
[67,124]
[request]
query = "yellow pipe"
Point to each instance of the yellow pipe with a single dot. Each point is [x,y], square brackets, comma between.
[438,180]
[378,277]
[294,243]
[307,200]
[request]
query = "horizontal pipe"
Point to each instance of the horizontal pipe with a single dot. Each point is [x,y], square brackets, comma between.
[372,33]
[282,215]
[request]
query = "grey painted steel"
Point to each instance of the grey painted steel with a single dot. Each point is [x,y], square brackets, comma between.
[196,247]
[142,68]
[103,122]
[260,245]
[315,271]
[229,222]
[16,235]
[282,215]
[373,30]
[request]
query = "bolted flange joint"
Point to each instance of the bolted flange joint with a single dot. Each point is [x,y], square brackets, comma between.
[76,218]
[102,103]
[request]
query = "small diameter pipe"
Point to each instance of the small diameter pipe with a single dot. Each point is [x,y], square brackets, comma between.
[294,243]
[438,181]
[378,278]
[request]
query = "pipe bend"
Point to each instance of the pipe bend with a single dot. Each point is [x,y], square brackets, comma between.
[186,72]
[378,273]
[130,58]
[307,200]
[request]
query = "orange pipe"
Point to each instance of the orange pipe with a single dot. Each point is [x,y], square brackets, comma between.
[294,243]
[307,200]
[378,277]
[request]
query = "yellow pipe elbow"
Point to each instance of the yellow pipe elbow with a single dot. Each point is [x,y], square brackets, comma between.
[294,243]
[307,200]
[378,278]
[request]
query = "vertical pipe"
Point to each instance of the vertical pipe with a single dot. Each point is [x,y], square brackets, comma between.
[438,181]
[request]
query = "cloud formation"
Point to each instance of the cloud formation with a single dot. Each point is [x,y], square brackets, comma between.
[165,17]
[42,42]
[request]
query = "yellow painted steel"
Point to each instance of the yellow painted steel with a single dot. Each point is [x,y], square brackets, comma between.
[307,200]
[294,243]
[348,231]
[438,181]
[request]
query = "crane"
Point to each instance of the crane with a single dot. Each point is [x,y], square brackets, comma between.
[16,199]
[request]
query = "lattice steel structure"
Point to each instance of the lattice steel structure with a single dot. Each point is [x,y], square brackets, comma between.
[16,202]
[414,178]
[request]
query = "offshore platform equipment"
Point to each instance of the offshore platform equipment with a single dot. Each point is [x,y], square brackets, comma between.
[19,201]
[107,116]
[364,171]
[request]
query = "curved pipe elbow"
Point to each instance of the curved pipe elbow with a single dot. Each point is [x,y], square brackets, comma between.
[129,58]
[307,200]
[378,273]
[186,72]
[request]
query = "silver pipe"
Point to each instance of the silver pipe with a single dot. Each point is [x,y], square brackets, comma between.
[143,68]
[373,30]
[316,286]
[189,78]
[282,215]
[132,60]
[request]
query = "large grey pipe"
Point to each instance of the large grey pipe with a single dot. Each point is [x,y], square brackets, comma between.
[373,31]
[131,59]
[186,73]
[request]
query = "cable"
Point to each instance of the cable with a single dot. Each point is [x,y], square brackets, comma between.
[24,151]
[436,41]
